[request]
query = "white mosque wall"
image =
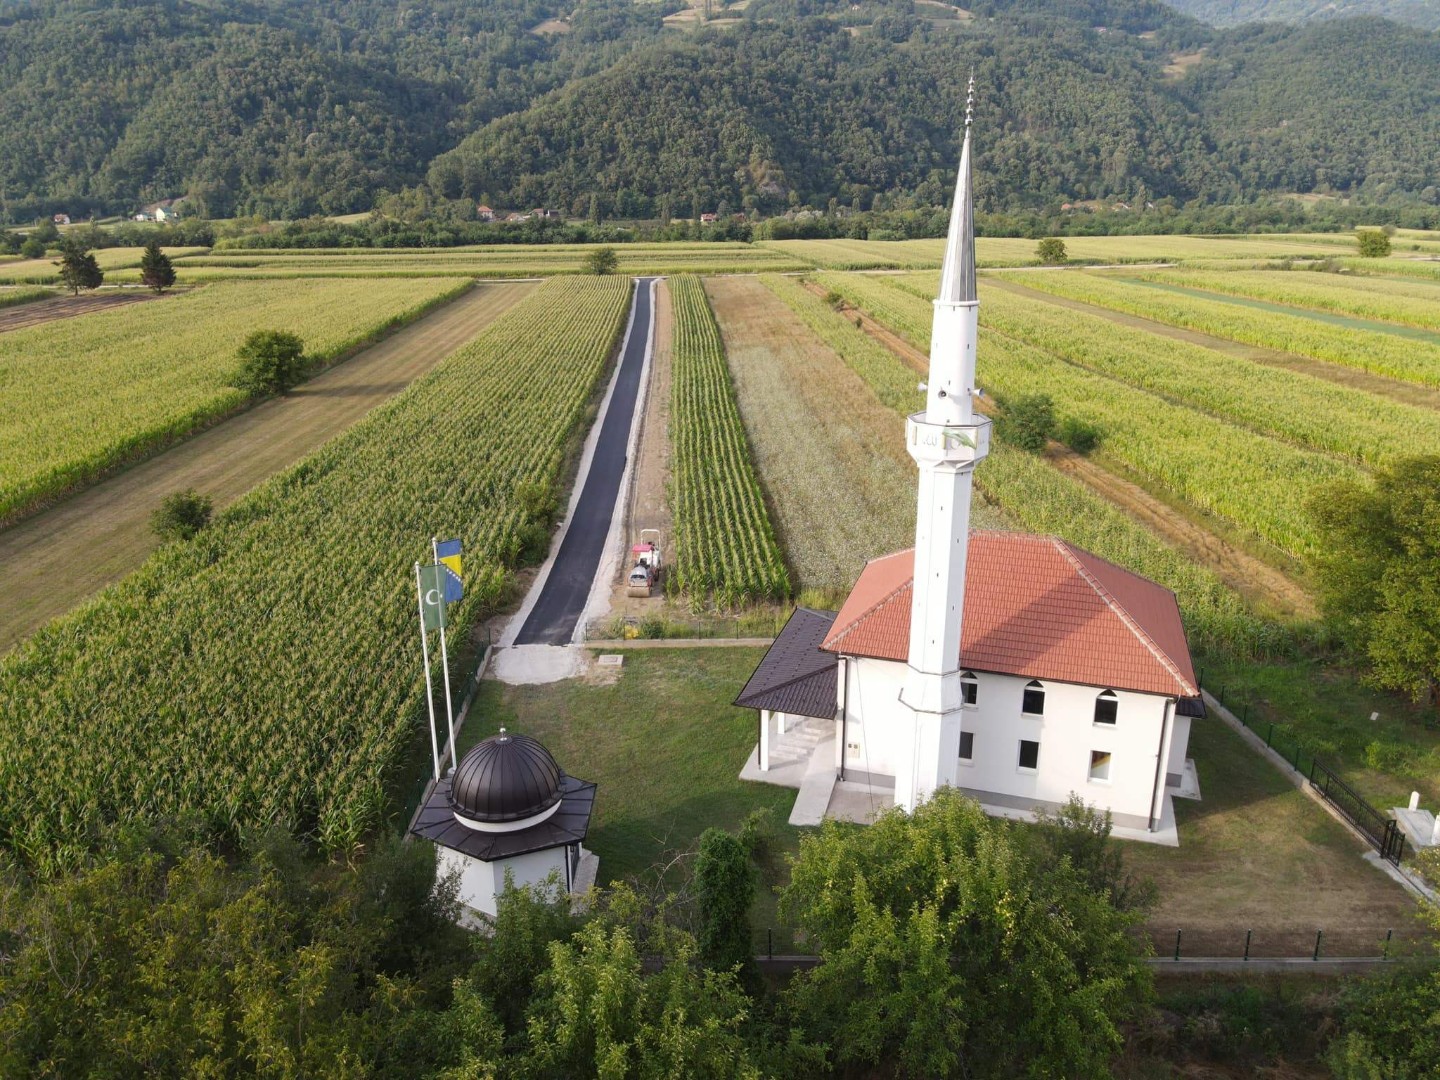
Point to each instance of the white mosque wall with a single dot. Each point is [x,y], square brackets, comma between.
[1067,733]
[481,881]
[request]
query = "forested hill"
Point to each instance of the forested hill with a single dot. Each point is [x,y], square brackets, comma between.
[286,109]
[1422,13]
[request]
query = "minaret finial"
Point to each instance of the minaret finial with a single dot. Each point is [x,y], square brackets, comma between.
[970,101]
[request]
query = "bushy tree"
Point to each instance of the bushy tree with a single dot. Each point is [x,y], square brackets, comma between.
[949,948]
[156,270]
[271,362]
[78,269]
[1374,244]
[181,515]
[1051,251]
[1029,422]
[725,889]
[1378,568]
[601,261]
[33,248]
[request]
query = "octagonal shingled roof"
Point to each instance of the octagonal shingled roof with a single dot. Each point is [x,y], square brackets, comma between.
[1035,606]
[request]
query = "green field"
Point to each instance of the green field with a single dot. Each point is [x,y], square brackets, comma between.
[1395,355]
[506,260]
[45,272]
[991,251]
[85,394]
[267,672]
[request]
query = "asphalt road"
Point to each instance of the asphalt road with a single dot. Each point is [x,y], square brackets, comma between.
[562,598]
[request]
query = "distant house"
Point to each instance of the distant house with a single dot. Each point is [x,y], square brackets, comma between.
[484,213]
[518,217]
[61,219]
[708,219]
[143,216]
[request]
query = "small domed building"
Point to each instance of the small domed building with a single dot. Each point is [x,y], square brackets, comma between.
[508,807]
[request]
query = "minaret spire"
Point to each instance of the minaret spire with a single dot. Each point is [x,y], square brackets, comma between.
[947,441]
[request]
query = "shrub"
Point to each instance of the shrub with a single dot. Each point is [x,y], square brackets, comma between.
[33,249]
[1051,251]
[271,362]
[1374,244]
[601,261]
[181,515]
[1029,422]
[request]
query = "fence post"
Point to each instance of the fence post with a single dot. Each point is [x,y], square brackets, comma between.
[1177,944]
[1247,945]
[770,942]
[1268,733]
[1297,757]
[1318,935]
[1245,715]
[1312,772]
[1385,951]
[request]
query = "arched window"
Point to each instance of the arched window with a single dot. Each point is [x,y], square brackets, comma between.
[969,688]
[1106,706]
[1033,702]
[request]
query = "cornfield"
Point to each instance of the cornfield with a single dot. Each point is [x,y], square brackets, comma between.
[724,541]
[1395,356]
[85,394]
[1252,480]
[267,672]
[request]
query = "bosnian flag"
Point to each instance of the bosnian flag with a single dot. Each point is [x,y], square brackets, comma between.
[447,553]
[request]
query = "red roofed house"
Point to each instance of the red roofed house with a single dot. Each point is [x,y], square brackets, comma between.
[1025,671]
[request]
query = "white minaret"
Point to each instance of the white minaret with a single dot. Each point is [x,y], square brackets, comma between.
[947,440]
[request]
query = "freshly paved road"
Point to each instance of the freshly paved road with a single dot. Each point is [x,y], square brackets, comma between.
[561,603]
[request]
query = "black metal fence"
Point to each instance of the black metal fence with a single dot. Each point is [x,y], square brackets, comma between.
[1380,829]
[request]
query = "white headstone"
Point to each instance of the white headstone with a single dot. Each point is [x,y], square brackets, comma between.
[1435,832]
[1414,800]
[1374,716]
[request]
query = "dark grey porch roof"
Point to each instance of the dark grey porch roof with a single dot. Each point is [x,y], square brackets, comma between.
[567,825]
[1190,706]
[795,676]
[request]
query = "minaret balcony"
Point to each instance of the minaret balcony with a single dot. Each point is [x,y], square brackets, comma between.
[955,445]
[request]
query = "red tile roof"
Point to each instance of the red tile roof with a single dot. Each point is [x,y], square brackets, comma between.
[1034,606]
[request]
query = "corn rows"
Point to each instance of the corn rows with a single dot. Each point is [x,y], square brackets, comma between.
[268,672]
[84,394]
[724,541]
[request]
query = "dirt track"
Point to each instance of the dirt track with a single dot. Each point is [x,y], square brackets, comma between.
[1253,578]
[65,307]
[52,561]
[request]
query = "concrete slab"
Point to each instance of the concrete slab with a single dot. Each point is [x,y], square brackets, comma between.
[1417,825]
[859,803]
[1189,782]
[790,775]
[1166,836]
[816,787]
[522,665]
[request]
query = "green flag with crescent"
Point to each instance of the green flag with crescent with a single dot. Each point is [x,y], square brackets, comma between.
[432,596]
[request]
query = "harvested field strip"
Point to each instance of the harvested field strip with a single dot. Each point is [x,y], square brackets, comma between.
[836,498]
[724,542]
[41,578]
[85,395]
[1384,301]
[1037,497]
[1299,408]
[265,673]
[1256,482]
[1382,354]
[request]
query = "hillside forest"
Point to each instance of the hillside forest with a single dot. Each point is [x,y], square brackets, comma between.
[637,108]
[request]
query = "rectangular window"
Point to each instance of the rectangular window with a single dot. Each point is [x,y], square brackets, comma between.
[967,745]
[1029,754]
[969,690]
[1099,764]
[1033,701]
[1105,709]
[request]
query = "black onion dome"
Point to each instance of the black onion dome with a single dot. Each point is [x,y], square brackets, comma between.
[505,778]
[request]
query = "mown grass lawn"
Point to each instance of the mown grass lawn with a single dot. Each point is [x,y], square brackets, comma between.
[662,741]
[1257,854]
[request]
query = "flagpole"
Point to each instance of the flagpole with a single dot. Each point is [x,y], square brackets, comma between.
[445,659]
[425,652]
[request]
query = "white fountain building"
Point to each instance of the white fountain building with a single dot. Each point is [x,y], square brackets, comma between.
[1018,668]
